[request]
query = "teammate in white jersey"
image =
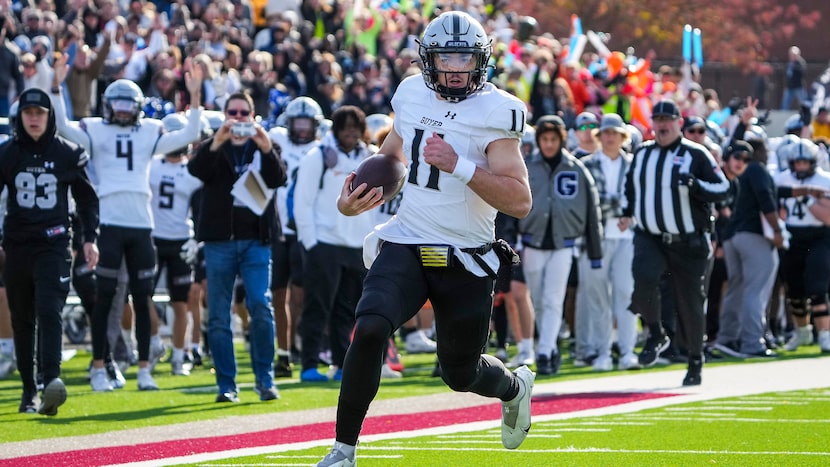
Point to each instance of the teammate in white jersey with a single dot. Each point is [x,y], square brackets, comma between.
[805,266]
[176,249]
[302,119]
[460,137]
[121,146]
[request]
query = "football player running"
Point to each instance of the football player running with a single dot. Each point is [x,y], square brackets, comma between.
[121,145]
[460,137]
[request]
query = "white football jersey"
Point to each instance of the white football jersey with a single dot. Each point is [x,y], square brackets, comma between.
[120,158]
[438,207]
[172,187]
[291,154]
[798,214]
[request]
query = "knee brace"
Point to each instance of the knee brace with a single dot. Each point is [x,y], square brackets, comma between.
[815,301]
[798,307]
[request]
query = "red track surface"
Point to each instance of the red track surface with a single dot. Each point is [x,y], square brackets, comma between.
[545,405]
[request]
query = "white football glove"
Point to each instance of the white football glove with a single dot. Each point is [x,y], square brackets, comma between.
[189,251]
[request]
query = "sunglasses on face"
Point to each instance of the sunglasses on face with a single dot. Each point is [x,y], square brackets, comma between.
[234,112]
[696,131]
[589,126]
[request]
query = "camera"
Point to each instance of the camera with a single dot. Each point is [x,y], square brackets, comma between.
[243,129]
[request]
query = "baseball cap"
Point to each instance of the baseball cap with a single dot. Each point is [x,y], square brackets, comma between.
[613,122]
[665,108]
[34,98]
[586,118]
[693,121]
[738,147]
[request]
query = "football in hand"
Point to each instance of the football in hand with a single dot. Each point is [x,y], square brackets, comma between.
[381,171]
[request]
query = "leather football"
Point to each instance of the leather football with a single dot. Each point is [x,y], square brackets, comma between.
[380,170]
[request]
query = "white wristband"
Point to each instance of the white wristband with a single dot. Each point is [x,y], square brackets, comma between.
[464,170]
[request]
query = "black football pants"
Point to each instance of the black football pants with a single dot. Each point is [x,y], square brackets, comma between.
[37,283]
[396,287]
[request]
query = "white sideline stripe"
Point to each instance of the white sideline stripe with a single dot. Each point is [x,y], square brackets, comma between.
[725,407]
[603,450]
[747,420]
[769,402]
[747,379]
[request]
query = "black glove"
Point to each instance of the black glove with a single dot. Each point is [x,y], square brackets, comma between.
[685,179]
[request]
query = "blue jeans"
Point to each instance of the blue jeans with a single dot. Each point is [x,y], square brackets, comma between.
[790,94]
[251,260]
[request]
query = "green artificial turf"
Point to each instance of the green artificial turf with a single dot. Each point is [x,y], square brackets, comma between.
[190,399]
[776,429]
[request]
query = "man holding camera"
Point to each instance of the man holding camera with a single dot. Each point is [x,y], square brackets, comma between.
[239,243]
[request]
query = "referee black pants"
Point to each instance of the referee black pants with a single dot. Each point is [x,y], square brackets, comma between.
[37,283]
[687,260]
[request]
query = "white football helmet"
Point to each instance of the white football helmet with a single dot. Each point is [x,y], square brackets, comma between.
[459,34]
[299,108]
[123,97]
[804,150]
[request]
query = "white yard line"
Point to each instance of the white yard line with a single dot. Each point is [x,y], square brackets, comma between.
[746,379]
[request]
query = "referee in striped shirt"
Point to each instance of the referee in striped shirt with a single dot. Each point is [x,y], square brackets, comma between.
[670,187]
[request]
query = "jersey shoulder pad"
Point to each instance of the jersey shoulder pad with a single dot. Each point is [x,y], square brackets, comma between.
[501,111]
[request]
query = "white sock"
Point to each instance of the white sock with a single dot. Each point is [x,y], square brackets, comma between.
[283,353]
[7,345]
[178,355]
[194,347]
[146,369]
[155,341]
[526,345]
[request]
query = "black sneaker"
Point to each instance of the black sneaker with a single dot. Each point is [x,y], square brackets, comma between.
[766,353]
[229,396]
[652,349]
[283,368]
[693,377]
[555,362]
[196,356]
[28,402]
[267,394]
[543,366]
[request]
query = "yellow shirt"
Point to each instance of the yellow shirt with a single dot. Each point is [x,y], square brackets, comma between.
[821,131]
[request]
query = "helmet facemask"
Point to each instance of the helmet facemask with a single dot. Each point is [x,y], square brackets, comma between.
[121,111]
[455,45]
[805,150]
[123,97]
[302,130]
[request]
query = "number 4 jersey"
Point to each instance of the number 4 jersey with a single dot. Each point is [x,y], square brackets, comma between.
[437,207]
[798,212]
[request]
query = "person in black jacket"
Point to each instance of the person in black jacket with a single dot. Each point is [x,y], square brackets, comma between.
[238,241]
[39,168]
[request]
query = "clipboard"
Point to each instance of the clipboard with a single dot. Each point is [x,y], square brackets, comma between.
[251,191]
